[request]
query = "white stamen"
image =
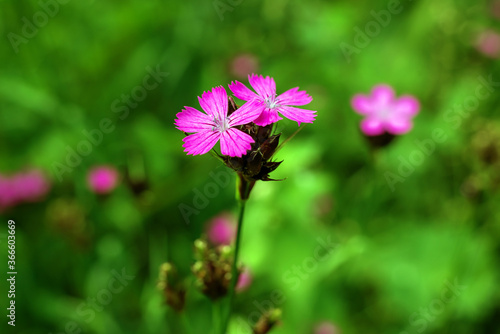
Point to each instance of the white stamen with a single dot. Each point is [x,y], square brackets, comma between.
[272,102]
[220,125]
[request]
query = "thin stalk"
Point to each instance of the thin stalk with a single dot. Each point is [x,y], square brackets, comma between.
[217,315]
[186,323]
[234,269]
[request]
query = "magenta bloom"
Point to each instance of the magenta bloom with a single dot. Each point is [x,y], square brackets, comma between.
[271,104]
[102,179]
[326,328]
[222,229]
[8,193]
[384,112]
[243,65]
[244,280]
[216,125]
[488,43]
[28,186]
[31,185]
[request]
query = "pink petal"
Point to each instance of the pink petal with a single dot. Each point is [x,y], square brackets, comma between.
[294,97]
[398,125]
[247,113]
[265,87]
[268,116]
[235,143]
[221,230]
[242,92]
[372,126]
[215,103]
[192,120]
[406,106]
[201,142]
[102,179]
[244,280]
[362,104]
[297,114]
[382,95]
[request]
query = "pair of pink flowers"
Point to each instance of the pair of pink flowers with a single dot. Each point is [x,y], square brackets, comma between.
[262,107]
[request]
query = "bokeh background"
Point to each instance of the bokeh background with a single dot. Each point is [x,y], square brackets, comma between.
[418,257]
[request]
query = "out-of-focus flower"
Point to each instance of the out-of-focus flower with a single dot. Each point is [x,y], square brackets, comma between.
[488,43]
[272,104]
[326,328]
[216,125]
[27,186]
[31,185]
[8,195]
[243,65]
[244,280]
[384,112]
[221,230]
[102,179]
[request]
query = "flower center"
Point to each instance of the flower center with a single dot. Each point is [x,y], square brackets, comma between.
[384,114]
[272,102]
[221,125]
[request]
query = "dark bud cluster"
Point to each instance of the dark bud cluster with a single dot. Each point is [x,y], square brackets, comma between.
[213,269]
[379,141]
[257,163]
[172,287]
[267,321]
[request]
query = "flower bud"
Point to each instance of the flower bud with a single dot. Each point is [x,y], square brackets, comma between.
[172,287]
[213,270]
[267,321]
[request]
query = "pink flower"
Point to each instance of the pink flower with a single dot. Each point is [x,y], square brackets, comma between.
[243,65]
[28,186]
[216,125]
[102,179]
[244,280]
[222,229]
[31,185]
[326,328]
[271,104]
[384,112]
[488,43]
[8,193]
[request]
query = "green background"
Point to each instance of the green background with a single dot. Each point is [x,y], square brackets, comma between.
[396,249]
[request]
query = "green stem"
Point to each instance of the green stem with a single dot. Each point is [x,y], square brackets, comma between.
[217,314]
[185,323]
[234,269]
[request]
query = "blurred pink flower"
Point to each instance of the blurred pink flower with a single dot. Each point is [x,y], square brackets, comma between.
[102,179]
[8,194]
[221,230]
[243,65]
[31,185]
[488,43]
[272,104]
[384,112]
[215,125]
[244,280]
[326,328]
[28,186]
